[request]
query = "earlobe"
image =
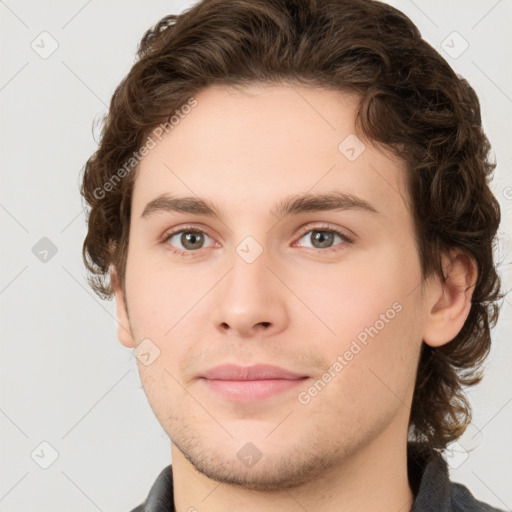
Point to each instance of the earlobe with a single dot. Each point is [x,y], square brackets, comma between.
[449,303]
[124,331]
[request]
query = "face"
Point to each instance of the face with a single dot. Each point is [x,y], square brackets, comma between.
[325,287]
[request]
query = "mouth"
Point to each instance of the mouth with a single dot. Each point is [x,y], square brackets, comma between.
[253,383]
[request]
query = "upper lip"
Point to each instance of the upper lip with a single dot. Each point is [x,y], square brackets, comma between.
[255,372]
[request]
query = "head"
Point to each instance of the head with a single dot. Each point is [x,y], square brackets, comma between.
[247,106]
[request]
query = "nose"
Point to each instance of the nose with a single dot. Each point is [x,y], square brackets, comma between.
[250,300]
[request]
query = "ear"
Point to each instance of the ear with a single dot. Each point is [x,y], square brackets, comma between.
[124,331]
[449,303]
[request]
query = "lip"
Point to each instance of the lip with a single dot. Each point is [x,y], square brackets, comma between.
[252,383]
[254,372]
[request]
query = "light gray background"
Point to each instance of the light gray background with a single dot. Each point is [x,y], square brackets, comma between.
[66,380]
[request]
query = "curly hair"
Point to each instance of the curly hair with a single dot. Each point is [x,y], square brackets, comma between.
[411,101]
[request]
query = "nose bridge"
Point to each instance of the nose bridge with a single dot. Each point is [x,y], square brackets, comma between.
[249,276]
[250,297]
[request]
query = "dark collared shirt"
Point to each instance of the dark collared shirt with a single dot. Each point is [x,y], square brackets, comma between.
[428,478]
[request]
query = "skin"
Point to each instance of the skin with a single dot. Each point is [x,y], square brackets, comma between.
[298,305]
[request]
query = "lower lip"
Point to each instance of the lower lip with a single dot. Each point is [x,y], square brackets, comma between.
[247,390]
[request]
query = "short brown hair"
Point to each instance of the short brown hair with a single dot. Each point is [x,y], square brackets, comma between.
[411,101]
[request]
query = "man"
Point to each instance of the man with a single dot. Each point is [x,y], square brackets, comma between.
[291,200]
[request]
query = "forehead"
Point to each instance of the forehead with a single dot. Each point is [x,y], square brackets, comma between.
[247,148]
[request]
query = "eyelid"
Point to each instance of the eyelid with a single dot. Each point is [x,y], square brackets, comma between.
[346,239]
[185,227]
[179,229]
[326,227]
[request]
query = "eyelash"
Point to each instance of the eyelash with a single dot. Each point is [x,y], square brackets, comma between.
[323,228]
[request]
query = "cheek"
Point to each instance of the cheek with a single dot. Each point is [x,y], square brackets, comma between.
[376,322]
[356,294]
[159,297]
[163,305]
[373,378]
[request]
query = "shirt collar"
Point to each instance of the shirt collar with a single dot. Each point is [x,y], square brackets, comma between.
[427,472]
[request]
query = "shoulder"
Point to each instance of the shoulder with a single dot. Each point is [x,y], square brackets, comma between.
[161,494]
[463,501]
[430,482]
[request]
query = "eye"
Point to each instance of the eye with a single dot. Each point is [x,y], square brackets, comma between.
[187,240]
[324,238]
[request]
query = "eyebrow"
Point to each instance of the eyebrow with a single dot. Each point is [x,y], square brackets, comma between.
[291,205]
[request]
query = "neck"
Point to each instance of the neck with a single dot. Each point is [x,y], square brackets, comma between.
[372,478]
